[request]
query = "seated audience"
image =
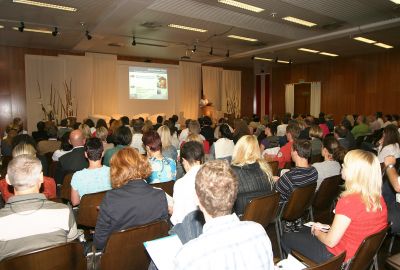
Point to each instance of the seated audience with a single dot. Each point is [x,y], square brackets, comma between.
[174,133]
[281,128]
[87,132]
[163,169]
[65,147]
[51,144]
[102,133]
[206,130]
[361,129]
[95,178]
[48,187]
[284,156]
[114,125]
[74,160]
[223,147]
[63,128]
[226,242]
[185,132]
[253,173]
[322,124]
[159,120]
[122,138]
[131,202]
[316,137]
[29,221]
[101,123]
[360,212]
[6,143]
[389,143]
[147,126]
[41,133]
[340,134]
[333,154]
[125,121]
[137,143]
[241,129]
[389,190]
[89,122]
[192,156]
[301,175]
[271,140]
[167,150]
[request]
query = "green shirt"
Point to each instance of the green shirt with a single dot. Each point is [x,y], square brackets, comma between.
[110,152]
[360,130]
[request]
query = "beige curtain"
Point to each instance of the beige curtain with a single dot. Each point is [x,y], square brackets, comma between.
[231,91]
[289,98]
[315,99]
[104,83]
[212,78]
[190,89]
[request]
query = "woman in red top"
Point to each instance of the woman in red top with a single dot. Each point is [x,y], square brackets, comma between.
[360,212]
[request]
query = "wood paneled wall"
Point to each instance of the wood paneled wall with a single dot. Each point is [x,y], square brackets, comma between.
[362,84]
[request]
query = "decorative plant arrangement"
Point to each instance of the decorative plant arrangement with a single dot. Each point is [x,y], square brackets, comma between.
[232,103]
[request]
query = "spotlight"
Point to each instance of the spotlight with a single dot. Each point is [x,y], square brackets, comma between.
[21,27]
[211,51]
[88,36]
[194,49]
[133,41]
[55,32]
[227,53]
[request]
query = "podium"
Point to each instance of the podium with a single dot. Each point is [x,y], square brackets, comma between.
[207,110]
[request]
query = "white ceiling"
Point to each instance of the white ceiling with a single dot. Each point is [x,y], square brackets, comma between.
[116,21]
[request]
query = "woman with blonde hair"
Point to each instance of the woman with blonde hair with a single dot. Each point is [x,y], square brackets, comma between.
[85,130]
[253,172]
[131,202]
[360,212]
[167,150]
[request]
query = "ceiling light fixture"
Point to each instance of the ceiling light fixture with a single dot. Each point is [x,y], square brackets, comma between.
[46,5]
[383,45]
[396,1]
[299,21]
[365,40]
[328,54]
[263,59]
[187,28]
[211,51]
[21,27]
[55,32]
[283,61]
[243,38]
[88,36]
[308,50]
[241,5]
[227,53]
[133,41]
[1,26]
[32,30]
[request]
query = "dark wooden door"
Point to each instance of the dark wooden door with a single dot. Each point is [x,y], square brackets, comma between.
[302,94]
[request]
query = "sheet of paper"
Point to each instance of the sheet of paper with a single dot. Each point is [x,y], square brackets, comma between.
[291,263]
[163,251]
[271,151]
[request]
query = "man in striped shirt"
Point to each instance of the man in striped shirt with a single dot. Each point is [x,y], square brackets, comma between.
[29,221]
[301,175]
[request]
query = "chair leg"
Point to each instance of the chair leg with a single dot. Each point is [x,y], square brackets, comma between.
[311,214]
[278,240]
[374,264]
[391,244]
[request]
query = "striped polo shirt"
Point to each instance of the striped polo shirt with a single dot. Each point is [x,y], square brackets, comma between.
[30,222]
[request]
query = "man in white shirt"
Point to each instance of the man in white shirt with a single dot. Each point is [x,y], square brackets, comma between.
[192,156]
[226,242]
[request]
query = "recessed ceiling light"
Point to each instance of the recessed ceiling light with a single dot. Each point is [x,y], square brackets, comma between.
[263,59]
[187,28]
[328,54]
[34,30]
[46,5]
[1,26]
[283,62]
[383,45]
[365,40]
[299,21]
[241,5]
[308,50]
[243,38]
[396,1]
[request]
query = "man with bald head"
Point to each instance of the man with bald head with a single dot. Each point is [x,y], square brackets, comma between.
[74,160]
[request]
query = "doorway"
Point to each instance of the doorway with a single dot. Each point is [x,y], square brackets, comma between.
[302,95]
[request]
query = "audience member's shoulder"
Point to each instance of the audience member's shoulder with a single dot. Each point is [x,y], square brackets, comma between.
[55,205]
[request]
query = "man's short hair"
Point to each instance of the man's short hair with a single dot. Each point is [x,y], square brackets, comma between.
[341,131]
[125,120]
[123,135]
[216,187]
[52,131]
[64,122]
[159,119]
[193,151]
[303,148]
[23,171]
[94,149]
[137,126]
[294,130]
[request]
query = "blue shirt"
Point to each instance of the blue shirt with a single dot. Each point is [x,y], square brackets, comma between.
[89,181]
[163,170]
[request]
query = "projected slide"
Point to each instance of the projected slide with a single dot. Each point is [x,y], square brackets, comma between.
[148,83]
